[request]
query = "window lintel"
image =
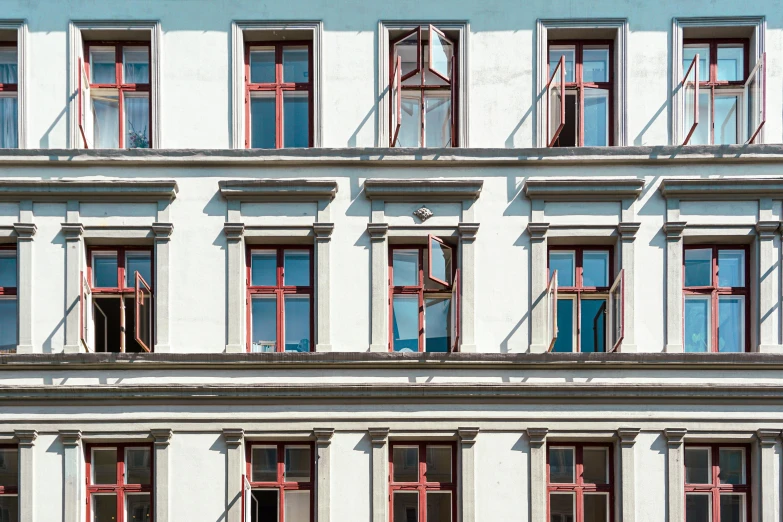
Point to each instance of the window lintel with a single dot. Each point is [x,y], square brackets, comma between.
[260,190]
[96,190]
[441,190]
[583,189]
[711,189]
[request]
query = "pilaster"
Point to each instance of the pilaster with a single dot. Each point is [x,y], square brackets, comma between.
[26,445]
[162,489]
[467,493]
[235,233]
[323,441]
[73,478]
[769,502]
[24,300]
[538,492]
[467,283]
[162,283]
[379,252]
[235,462]
[380,474]
[323,238]
[538,282]
[769,287]
[627,438]
[675,472]
[627,232]
[674,244]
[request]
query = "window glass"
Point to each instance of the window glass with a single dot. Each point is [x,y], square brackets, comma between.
[698,466]
[405,267]
[263,463]
[106,118]
[296,65]
[596,507]
[565,326]
[564,263]
[8,268]
[263,268]
[698,267]
[438,506]
[138,466]
[561,507]
[441,261]
[262,121]
[9,468]
[262,65]
[405,505]
[731,62]
[732,507]
[405,323]
[137,507]
[9,507]
[264,505]
[410,124]
[297,464]
[688,52]
[731,268]
[732,470]
[9,137]
[8,333]
[104,270]
[437,119]
[701,134]
[9,69]
[264,329]
[697,324]
[570,57]
[595,268]
[726,108]
[137,121]
[103,65]
[296,268]
[438,464]
[437,320]
[296,119]
[297,323]
[297,506]
[561,465]
[136,64]
[697,507]
[596,466]
[731,323]
[595,65]
[405,460]
[407,50]
[104,507]
[596,124]
[442,52]
[592,325]
[140,262]
[104,466]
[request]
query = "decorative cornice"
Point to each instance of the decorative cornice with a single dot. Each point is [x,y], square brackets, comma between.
[71,437]
[72,231]
[234,231]
[537,436]
[467,436]
[628,230]
[423,189]
[161,436]
[26,437]
[233,437]
[25,230]
[767,229]
[768,437]
[537,230]
[674,229]
[468,231]
[323,436]
[711,189]
[94,190]
[377,231]
[323,230]
[583,189]
[278,189]
[379,436]
[627,436]
[675,436]
[162,230]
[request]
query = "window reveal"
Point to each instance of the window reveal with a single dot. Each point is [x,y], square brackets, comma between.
[8,301]
[9,88]
[717,487]
[278,485]
[579,482]
[422,485]
[119,482]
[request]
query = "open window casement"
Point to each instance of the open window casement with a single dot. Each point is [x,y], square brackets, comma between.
[143,303]
[440,261]
[247,499]
[404,49]
[396,101]
[441,55]
[87,334]
[756,98]
[616,314]
[689,87]
[85,104]
[551,307]
[455,314]
[555,108]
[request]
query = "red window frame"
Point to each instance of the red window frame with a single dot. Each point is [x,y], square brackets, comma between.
[580,85]
[715,291]
[280,290]
[715,488]
[452,86]
[281,485]
[421,485]
[118,84]
[11,87]
[419,289]
[10,290]
[579,488]
[578,289]
[279,87]
[119,488]
[713,83]
[10,490]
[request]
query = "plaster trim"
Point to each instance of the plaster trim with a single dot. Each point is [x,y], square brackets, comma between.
[583,189]
[20,26]
[379,438]
[85,191]
[323,441]
[278,189]
[422,189]
[732,189]
[26,443]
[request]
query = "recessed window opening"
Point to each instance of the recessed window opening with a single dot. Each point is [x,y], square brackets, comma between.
[9,92]
[580,482]
[279,482]
[423,485]
[9,330]
[717,483]
[9,483]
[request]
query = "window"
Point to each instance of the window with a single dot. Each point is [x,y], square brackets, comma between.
[9,103]
[8,303]
[716,297]
[119,482]
[117,300]
[423,87]
[726,104]
[579,482]
[114,95]
[279,482]
[580,93]
[9,483]
[588,305]
[424,295]
[279,95]
[717,487]
[423,485]
[280,298]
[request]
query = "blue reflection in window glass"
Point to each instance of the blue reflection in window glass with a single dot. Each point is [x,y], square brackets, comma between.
[731,321]
[262,66]
[263,268]
[262,122]
[8,337]
[731,268]
[437,318]
[563,262]
[296,120]
[595,269]
[565,326]
[405,323]
[296,62]
[297,323]
[593,325]
[697,320]
[689,52]
[296,267]
[104,270]
[596,122]
[698,267]
[140,262]
[8,269]
[405,267]
[264,332]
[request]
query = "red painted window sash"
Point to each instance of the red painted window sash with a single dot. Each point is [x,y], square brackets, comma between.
[119,488]
[121,87]
[579,488]
[10,87]
[121,288]
[716,488]
[280,290]
[10,490]
[9,290]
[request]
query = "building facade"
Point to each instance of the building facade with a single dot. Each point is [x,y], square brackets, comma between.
[377,262]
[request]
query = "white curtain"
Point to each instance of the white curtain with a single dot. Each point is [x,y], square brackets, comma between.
[137,122]
[8,107]
[106,114]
